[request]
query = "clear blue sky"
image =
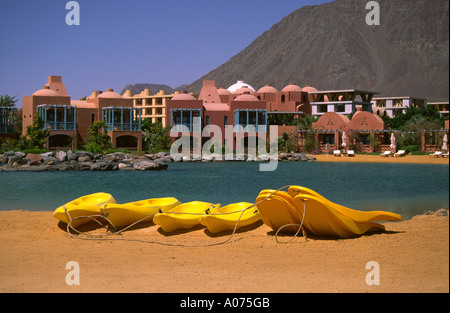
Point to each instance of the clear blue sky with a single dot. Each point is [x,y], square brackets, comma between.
[122,42]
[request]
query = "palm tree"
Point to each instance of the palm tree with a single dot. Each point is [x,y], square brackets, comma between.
[7,101]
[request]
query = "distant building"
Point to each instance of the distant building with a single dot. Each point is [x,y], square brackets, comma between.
[152,106]
[344,102]
[442,107]
[69,120]
[391,106]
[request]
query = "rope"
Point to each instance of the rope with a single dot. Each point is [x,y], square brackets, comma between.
[116,232]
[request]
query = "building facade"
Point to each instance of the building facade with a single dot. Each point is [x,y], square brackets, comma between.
[69,120]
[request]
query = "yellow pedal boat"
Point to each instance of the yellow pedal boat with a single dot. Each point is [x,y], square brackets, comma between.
[358,216]
[128,213]
[225,218]
[277,210]
[321,216]
[184,216]
[83,206]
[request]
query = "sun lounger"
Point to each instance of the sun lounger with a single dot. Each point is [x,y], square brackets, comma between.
[337,153]
[351,153]
[400,153]
[386,154]
[445,155]
[436,154]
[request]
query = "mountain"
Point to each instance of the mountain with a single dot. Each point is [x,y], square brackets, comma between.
[154,88]
[330,46]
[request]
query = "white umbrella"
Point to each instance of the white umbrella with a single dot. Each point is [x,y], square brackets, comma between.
[344,140]
[393,145]
[445,141]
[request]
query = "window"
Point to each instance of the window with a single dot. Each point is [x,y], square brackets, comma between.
[92,118]
[207,120]
[225,120]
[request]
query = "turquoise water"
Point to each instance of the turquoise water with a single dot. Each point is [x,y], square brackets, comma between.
[407,189]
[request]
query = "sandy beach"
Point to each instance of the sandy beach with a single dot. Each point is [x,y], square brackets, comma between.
[413,256]
[412,159]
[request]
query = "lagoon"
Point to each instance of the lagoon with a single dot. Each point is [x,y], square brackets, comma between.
[407,189]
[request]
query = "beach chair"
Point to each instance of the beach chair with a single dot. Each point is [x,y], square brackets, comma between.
[436,154]
[386,154]
[400,153]
[337,153]
[351,153]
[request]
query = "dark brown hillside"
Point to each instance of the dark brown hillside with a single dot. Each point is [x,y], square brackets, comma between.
[330,46]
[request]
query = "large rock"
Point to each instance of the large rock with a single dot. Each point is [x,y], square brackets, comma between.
[148,165]
[61,156]
[34,159]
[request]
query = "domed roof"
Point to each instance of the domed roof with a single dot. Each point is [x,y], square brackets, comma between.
[183,96]
[246,97]
[291,87]
[46,92]
[109,94]
[267,89]
[308,88]
[244,90]
[239,84]
[223,92]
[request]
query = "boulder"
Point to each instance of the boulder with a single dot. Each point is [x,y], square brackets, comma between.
[148,165]
[82,159]
[71,156]
[34,159]
[61,156]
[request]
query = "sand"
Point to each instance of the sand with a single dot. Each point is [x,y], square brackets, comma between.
[413,256]
[412,159]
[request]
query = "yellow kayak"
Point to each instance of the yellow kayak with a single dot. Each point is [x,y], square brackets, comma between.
[322,219]
[184,216]
[83,206]
[278,210]
[220,220]
[358,216]
[128,213]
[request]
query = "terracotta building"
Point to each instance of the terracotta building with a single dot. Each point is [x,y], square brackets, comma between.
[239,106]
[69,120]
[365,130]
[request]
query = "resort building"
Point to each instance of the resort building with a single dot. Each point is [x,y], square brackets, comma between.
[6,123]
[365,130]
[240,106]
[340,101]
[69,120]
[152,106]
[442,107]
[391,106]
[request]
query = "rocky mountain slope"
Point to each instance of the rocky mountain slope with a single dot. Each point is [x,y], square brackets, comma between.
[330,46]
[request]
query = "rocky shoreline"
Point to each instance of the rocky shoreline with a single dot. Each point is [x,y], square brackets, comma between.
[11,161]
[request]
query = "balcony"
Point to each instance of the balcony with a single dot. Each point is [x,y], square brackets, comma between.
[250,121]
[7,120]
[58,117]
[122,118]
[190,118]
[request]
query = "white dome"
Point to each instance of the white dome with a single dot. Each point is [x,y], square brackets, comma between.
[239,84]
